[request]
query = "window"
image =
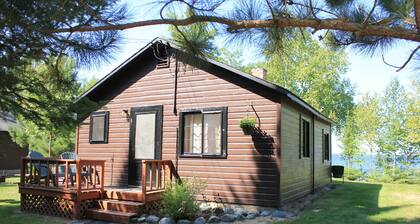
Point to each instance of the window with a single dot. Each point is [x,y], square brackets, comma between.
[326,139]
[98,131]
[305,138]
[204,132]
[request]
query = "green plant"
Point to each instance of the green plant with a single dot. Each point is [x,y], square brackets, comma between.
[178,200]
[248,123]
[353,174]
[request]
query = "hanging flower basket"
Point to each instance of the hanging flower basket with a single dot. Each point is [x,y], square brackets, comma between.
[248,125]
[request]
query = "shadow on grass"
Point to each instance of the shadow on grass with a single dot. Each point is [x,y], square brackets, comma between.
[354,203]
[10,201]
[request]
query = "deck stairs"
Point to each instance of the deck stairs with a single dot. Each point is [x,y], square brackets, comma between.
[117,206]
[122,204]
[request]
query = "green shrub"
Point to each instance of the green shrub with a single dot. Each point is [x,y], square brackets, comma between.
[402,176]
[248,123]
[353,174]
[178,200]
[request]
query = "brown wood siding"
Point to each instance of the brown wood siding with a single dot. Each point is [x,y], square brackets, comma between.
[249,174]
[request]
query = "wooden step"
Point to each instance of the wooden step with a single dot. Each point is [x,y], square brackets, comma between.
[124,195]
[110,216]
[121,206]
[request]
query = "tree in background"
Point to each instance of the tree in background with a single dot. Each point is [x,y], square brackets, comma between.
[314,73]
[53,132]
[233,59]
[350,142]
[413,122]
[368,122]
[25,41]
[394,118]
[387,126]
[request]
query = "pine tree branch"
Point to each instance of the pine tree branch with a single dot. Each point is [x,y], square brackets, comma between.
[409,58]
[371,12]
[234,25]
[399,68]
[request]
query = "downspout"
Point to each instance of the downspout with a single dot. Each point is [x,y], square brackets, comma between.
[175,108]
[330,156]
[76,148]
[175,82]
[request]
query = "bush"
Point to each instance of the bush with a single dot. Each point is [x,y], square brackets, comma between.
[248,123]
[178,200]
[353,174]
[402,176]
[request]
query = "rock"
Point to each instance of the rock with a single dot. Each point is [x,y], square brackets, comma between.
[241,211]
[78,222]
[206,211]
[199,220]
[228,218]
[167,220]
[240,217]
[184,221]
[204,208]
[229,211]
[213,219]
[290,215]
[279,214]
[141,219]
[217,211]
[251,215]
[152,219]
[265,213]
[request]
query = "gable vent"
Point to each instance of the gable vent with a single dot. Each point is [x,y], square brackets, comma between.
[163,62]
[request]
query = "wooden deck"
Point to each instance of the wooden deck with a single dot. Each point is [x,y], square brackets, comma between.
[75,189]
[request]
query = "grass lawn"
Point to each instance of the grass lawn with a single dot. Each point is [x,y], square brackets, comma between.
[10,207]
[354,202]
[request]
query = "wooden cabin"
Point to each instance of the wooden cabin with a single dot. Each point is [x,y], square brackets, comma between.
[10,152]
[163,109]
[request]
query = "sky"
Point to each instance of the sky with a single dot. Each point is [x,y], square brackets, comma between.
[368,73]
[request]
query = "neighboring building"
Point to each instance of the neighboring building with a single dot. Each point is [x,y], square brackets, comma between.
[188,110]
[10,152]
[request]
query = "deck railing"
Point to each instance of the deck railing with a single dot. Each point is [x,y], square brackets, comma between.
[156,174]
[63,174]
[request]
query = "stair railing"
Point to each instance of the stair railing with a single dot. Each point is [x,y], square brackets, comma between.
[156,174]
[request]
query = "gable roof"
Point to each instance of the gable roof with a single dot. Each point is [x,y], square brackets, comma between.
[265,84]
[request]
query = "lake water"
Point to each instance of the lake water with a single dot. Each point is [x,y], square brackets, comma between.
[367,159]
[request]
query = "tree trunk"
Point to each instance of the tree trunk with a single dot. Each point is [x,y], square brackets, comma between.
[49,144]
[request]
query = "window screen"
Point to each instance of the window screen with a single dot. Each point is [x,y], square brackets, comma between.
[98,127]
[327,146]
[204,132]
[305,138]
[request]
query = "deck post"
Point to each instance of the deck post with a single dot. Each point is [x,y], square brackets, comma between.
[76,209]
[22,171]
[143,180]
[66,178]
[102,177]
